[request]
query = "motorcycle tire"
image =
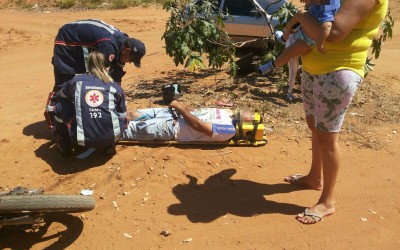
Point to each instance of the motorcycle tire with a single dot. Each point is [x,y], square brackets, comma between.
[46,203]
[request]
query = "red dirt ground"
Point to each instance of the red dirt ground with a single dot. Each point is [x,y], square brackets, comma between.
[239,200]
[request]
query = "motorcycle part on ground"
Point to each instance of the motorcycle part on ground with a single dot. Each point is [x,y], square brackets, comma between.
[46,203]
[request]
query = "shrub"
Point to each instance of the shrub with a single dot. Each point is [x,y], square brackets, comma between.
[65,4]
[195,31]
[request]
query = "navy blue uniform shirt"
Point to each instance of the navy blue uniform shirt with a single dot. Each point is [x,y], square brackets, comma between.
[97,117]
[75,40]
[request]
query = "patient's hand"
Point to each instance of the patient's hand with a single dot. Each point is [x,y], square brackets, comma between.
[177,105]
[180,107]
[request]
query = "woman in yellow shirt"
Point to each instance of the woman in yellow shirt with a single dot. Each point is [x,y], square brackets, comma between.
[329,82]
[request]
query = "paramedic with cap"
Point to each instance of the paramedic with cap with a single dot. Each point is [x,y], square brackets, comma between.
[75,40]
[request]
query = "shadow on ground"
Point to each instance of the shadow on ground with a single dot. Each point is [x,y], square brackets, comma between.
[50,154]
[249,86]
[221,195]
[19,237]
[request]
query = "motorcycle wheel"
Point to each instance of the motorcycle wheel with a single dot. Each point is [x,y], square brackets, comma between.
[46,203]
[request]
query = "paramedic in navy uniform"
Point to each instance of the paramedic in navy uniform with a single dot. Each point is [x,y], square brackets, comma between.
[75,40]
[91,109]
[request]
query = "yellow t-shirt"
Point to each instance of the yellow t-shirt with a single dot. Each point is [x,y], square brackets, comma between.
[352,51]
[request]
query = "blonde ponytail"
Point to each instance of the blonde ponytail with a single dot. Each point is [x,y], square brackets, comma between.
[98,66]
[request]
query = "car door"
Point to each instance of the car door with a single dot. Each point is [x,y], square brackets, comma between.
[245,21]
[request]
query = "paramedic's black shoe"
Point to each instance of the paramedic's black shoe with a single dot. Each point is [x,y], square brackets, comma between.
[64,146]
[110,150]
[54,135]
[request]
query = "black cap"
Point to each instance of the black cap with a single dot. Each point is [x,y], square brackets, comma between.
[138,50]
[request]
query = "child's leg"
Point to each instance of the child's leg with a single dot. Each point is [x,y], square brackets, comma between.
[293,66]
[298,48]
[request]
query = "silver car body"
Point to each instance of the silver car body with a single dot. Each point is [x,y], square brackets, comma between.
[246,22]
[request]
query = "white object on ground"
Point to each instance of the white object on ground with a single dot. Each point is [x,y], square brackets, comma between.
[87,192]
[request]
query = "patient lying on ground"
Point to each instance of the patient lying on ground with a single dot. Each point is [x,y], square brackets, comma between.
[180,123]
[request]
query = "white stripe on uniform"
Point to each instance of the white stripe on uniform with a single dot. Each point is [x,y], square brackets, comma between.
[80,136]
[103,25]
[114,117]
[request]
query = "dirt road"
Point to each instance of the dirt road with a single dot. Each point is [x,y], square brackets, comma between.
[235,197]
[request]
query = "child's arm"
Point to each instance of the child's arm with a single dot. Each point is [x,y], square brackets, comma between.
[306,21]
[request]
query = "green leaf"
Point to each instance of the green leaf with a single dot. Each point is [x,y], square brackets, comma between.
[194,62]
[369,66]
[377,42]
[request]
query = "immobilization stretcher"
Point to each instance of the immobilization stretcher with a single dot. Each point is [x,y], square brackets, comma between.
[248,133]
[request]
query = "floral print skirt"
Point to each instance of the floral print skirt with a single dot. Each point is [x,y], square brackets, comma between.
[327,97]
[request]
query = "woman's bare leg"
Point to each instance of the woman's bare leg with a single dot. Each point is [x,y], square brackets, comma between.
[314,176]
[330,155]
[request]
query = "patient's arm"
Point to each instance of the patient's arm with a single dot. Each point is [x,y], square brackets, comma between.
[193,121]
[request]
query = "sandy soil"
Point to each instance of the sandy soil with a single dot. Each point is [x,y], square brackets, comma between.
[235,197]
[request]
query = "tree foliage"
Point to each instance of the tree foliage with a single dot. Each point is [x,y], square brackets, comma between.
[387,32]
[283,15]
[195,31]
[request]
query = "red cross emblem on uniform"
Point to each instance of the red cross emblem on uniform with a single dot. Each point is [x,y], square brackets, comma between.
[94,98]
